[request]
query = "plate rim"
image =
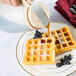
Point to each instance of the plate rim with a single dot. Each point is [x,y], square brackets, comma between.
[17,56]
[20,39]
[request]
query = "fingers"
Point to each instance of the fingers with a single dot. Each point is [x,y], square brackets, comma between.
[16,2]
[4,1]
[11,2]
[1,0]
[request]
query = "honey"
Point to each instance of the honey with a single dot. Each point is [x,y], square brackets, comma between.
[48,28]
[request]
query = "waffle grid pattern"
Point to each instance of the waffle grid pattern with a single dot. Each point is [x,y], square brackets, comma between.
[63,40]
[39,51]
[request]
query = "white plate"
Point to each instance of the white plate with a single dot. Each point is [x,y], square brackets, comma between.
[46,70]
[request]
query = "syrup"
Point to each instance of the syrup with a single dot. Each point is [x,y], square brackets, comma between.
[48,28]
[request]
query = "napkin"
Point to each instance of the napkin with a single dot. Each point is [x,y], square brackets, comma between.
[62,6]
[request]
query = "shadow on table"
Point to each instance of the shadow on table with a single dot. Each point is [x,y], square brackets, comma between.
[11,27]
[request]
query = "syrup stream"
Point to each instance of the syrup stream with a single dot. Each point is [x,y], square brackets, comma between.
[48,28]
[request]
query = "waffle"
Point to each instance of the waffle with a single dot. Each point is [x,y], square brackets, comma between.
[39,51]
[63,40]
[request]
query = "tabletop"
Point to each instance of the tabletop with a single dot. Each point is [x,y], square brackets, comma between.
[12,26]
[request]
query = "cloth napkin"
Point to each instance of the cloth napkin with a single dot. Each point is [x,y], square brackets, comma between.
[62,6]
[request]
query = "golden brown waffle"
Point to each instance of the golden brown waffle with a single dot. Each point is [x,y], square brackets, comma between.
[63,40]
[39,51]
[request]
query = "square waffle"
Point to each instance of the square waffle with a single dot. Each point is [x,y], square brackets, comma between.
[39,51]
[63,40]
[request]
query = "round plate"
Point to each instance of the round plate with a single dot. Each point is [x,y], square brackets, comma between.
[47,70]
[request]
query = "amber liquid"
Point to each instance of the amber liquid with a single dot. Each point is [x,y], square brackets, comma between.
[48,28]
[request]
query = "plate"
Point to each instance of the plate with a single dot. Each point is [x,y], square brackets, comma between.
[46,70]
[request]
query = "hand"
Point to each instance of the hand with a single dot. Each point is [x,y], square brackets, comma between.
[11,2]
